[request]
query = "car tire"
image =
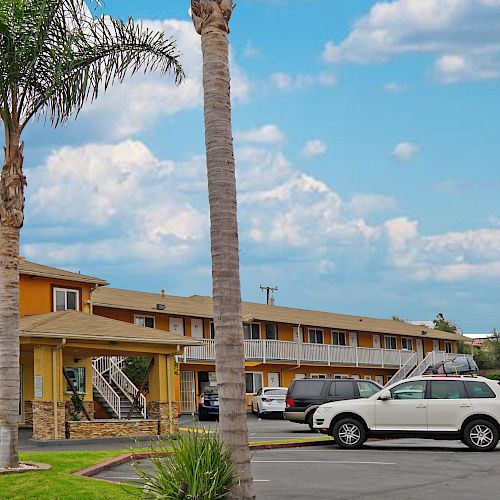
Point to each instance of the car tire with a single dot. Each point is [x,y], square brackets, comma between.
[349,433]
[253,411]
[481,435]
[310,421]
[259,413]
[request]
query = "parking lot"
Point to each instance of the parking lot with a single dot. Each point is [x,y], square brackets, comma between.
[391,469]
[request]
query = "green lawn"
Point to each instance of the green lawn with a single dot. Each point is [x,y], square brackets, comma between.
[59,483]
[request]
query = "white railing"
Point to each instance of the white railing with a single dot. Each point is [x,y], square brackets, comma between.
[326,354]
[106,391]
[128,388]
[405,369]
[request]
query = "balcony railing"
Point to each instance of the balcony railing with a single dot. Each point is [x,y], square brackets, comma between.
[324,354]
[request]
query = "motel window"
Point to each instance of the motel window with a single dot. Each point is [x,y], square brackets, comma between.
[66,299]
[271,331]
[315,336]
[448,347]
[407,344]
[253,382]
[212,330]
[251,331]
[390,342]
[338,338]
[76,378]
[147,321]
[318,375]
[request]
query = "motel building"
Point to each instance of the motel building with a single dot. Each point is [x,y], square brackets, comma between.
[76,331]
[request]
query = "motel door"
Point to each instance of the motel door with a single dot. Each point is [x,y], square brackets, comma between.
[273,379]
[420,349]
[376,341]
[188,392]
[353,339]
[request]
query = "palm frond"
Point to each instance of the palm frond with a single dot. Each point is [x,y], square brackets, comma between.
[57,55]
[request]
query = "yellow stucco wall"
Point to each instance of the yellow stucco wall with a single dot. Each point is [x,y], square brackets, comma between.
[35,294]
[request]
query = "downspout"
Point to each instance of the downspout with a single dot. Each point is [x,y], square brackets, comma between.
[55,385]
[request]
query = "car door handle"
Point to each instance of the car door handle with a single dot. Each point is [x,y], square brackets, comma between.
[464,405]
[422,405]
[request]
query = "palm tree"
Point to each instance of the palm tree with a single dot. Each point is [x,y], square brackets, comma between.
[211,20]
[54,56]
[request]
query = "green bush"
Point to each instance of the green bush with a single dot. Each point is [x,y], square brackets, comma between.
[493,376]
[198,465]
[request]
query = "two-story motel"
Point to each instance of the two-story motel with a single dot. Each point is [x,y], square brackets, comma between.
[75,331]
[281,343]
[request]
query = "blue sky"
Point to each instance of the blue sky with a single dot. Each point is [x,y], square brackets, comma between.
[367,149]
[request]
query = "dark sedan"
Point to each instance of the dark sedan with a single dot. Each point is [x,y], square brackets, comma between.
[208,407]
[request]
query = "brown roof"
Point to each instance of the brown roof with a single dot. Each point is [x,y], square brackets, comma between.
[81,326]
[201,307]
[32,269]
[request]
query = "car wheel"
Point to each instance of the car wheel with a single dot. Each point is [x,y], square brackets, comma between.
[481,435]
[253,410]
[259,413]
[310,421]
[349,433]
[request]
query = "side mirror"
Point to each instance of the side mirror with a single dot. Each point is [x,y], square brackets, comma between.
[385,395]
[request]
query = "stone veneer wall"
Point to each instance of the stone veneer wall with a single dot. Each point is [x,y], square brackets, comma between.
[43,420]
[111,428]
[88,405]
[28,413]
[159,411]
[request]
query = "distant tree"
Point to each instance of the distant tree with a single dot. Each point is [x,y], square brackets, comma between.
[441,323]
[397,318]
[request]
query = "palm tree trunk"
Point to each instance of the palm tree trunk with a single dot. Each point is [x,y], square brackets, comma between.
[12,184]
[211,19]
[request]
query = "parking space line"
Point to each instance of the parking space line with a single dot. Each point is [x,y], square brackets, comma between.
[338,462]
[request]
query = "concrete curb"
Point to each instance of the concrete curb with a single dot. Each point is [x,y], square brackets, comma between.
[127,457]
[64,442]
[39,467]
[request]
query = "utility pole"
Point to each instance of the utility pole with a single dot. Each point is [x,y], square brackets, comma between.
[269,294]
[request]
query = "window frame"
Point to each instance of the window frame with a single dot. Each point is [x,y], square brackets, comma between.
[145,316]
[370,383]
[448,343]
[253,382]
[424,392]
[76,368]
[407,340]
[318,376]
[436,383]
[212,330]
[395,348]
[251,330]
[338,333]
[472,395]
[275,332]
[65,289]
[316,331]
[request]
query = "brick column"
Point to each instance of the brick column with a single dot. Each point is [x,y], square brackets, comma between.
[28,413]
[43,420]
[158,410]
[88,405]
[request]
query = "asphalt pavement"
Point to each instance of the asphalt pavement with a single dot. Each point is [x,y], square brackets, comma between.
[392,469]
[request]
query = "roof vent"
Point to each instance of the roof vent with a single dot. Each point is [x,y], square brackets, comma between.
[160,307]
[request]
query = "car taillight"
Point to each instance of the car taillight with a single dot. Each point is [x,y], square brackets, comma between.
[290,402]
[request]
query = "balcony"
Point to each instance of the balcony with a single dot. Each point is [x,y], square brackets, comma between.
[270,351]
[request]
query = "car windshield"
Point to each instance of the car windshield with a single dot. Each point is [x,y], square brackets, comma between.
[275,392]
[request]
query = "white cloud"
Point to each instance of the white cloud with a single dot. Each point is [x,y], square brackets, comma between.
[286,81]
[313,147]
[405,151]
[140,101]
[267,134]
[396,88]
[454,256]
[463,35]
[362,204]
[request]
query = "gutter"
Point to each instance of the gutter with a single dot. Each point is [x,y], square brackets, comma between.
[55,385]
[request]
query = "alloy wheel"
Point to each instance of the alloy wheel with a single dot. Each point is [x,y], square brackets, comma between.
[349,434]
[481,436]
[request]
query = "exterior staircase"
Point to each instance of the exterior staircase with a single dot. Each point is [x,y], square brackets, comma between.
[114,390]
[414,368]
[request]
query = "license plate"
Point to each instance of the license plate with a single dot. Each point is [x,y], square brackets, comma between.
[215,403]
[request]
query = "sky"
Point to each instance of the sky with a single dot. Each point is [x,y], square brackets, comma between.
[367,154]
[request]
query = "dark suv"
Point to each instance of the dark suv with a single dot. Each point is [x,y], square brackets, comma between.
[305,395]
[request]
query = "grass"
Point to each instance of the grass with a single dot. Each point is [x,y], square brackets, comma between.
[59,483]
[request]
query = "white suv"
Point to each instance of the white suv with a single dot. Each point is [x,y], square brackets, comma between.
[434,407]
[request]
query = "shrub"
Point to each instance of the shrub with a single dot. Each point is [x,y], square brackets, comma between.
[198,466]
[493,376]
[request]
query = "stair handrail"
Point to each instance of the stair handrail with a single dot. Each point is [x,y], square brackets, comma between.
[106,391]
[403,372]
[129,389]
[428,361]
